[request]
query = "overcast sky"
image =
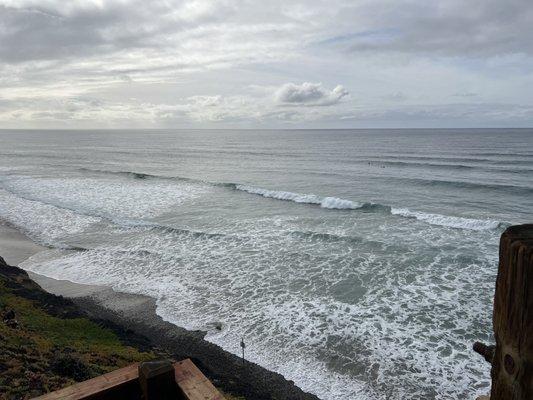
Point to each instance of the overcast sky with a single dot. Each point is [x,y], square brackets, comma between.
[266,64]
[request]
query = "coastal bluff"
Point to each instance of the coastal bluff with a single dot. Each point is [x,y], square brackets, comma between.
[50,341]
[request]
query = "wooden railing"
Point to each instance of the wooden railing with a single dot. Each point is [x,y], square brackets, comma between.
[161,380]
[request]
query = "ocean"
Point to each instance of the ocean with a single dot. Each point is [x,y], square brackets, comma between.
[357,263]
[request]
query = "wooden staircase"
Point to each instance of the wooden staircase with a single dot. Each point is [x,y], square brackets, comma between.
[161,380]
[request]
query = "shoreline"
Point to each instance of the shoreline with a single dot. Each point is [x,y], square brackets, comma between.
[15,247]
[137,313]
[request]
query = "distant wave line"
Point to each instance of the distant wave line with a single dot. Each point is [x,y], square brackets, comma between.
[335,203]
[341,205]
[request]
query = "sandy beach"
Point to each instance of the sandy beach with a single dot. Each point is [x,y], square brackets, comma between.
[14,246]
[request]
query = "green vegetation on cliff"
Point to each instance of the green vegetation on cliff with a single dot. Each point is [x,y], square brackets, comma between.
[46,344]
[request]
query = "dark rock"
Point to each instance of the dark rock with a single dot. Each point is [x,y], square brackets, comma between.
[9,315]
[35,381]
[70,366]
[12,323]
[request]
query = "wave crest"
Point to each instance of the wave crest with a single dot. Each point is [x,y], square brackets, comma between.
[324,202]
[335,203]
[449,221]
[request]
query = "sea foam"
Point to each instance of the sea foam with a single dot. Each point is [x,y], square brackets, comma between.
[448,221]
[324,202]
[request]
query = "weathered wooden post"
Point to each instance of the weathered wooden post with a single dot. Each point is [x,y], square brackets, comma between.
[156,379]
[512,361]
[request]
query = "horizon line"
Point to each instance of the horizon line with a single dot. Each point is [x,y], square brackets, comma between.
[258,129]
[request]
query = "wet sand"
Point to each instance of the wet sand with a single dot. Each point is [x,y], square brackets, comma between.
[14,246]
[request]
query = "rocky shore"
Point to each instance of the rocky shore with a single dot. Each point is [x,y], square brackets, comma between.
[133,320]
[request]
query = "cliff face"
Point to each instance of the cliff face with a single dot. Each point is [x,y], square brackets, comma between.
[47,343]
[17,281]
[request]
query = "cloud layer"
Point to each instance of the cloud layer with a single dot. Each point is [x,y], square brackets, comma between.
[273,64]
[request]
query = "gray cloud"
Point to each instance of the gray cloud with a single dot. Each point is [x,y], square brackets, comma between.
[49,30]
[481,28]
[465,94]
[490,113]
[309,94]
[396,96]
[37,30]
[32,34]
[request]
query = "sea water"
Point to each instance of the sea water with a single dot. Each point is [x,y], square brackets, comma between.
[358,263]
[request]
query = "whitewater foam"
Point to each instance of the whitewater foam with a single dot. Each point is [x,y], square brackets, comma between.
[104,198]
[280,323]
[198,280]
[44,223]
[324,202]
[448,221]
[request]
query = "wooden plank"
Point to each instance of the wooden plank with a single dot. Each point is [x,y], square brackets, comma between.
[512,364]
[193,384]
[124,384]
[121,381]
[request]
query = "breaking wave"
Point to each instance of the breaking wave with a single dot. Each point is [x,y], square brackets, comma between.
[324,202]
[335,203]
[138,175]
[449,221]
[342,204]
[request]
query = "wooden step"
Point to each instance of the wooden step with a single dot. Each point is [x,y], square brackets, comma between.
[121,382]
[193,384]
[124,384]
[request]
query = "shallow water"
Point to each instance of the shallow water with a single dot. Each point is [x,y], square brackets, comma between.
[352,262]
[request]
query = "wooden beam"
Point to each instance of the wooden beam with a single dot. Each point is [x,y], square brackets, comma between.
[193,384]
[121,383]
[512,364]
[128,384]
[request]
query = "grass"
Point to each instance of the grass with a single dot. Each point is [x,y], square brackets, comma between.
[45,352]
[228,396]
